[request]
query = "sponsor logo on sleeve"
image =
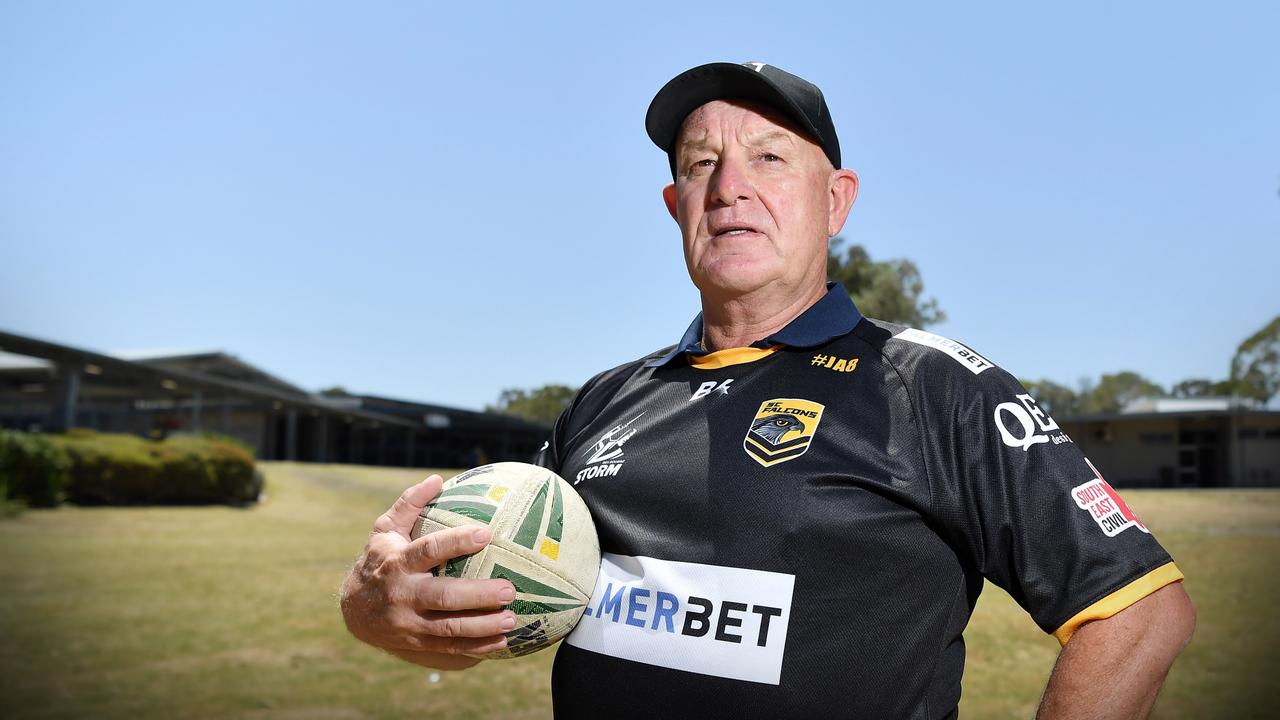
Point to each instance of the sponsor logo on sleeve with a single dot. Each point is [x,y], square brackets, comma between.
[604,459]
[782,430]
[1023,424]
[1105,505]
[708,619]
[975,363]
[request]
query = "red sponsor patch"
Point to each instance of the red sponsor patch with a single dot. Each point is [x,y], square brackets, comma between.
[1105,505]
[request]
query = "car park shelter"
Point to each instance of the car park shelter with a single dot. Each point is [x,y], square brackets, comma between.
[46,386]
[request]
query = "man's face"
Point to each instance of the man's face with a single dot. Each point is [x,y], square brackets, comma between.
[756,201]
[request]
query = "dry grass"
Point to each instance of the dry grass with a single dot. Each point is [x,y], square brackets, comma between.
[221,612]
[1228,545]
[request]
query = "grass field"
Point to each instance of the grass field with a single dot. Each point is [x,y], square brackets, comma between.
[222,612]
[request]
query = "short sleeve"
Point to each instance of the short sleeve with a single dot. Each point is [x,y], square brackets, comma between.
[549,455]
[1034,515]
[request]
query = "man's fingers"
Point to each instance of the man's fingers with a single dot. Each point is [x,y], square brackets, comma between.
[451,633]
[446,593]
[435,548]
[467,624]
[402,515]
[469,646]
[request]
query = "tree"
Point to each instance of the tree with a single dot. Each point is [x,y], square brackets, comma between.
[540,405]
[1057,400]
[1195,388]
[887,290]
[1116,390]
[1255,369]
[336,391]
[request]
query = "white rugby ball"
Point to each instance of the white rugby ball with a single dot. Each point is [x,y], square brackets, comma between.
[543,542]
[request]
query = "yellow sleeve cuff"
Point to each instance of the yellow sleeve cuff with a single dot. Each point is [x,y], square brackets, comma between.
[1120,599]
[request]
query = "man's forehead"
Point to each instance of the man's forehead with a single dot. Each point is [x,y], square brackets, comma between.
[756,121]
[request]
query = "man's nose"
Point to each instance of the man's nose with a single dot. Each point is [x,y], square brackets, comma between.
[730,182]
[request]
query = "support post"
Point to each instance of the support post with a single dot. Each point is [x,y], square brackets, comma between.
[66,397]
[291,435]
[269,434]
[322,438]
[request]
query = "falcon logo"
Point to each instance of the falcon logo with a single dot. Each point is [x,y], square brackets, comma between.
[782,430]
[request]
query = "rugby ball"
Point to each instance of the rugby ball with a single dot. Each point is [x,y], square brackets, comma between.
[543,542]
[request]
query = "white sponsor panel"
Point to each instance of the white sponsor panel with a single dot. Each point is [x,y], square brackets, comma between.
[970,359]
[707,619]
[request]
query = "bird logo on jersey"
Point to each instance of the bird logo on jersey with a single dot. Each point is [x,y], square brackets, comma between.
[782,430]
[773,427]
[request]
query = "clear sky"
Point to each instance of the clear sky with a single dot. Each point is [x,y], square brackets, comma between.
[439,200]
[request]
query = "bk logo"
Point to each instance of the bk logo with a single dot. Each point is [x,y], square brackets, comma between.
[782,430]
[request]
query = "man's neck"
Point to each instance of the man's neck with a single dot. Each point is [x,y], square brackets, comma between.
[741,320]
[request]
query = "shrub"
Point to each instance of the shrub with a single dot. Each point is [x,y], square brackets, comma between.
[33,469]
[111,469]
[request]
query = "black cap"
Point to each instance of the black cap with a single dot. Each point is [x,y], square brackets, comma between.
[796,97]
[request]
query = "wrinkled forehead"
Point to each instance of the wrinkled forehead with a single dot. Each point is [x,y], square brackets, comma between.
[752,121]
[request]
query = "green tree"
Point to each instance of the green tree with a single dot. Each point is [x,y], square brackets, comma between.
[1057,400]
[541,405]
[887,290]
[1255,369]
[1195,388]
[1115,390]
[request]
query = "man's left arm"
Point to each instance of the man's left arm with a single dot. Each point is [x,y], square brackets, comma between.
[1039,520]
[1114,668]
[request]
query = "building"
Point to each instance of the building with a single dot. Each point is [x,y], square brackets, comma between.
[1182,442]
[51,387]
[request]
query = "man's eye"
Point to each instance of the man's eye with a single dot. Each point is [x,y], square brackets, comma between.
[702,165]
[770,157]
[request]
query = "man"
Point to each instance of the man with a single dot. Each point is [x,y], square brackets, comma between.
[804,502]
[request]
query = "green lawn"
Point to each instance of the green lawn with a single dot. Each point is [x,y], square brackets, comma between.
[222,612]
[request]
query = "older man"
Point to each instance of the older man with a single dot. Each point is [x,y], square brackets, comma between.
[804,502]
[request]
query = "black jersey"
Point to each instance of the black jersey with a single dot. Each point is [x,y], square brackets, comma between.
[801,528]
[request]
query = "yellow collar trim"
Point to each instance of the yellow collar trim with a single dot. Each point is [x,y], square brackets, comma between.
[731,356]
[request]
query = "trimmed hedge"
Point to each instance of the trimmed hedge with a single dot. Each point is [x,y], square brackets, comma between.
[91,468]
[33,469]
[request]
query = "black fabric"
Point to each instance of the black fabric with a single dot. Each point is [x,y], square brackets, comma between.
[906,497]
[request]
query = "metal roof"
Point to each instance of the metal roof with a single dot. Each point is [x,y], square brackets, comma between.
[181,379]
[1168,415]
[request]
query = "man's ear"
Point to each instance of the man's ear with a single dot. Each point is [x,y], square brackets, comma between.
[669,197]
[844,190]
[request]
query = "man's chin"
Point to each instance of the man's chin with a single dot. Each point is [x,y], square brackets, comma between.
[733,284]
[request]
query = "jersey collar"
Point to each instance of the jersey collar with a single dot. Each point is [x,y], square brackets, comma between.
[832,316]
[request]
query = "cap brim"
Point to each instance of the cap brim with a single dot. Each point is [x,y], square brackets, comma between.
[694,88]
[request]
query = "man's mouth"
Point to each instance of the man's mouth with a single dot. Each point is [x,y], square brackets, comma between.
[730,230]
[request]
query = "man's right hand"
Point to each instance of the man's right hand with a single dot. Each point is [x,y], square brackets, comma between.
[392,601]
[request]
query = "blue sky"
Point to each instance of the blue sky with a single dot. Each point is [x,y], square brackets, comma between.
[439,202]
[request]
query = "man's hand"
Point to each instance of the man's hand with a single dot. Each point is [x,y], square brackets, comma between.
[392,601]
[1114,668]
